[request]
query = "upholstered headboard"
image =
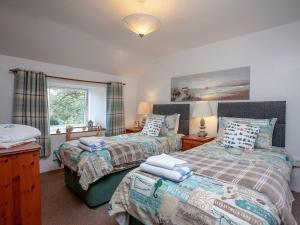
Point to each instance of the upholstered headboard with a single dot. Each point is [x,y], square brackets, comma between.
[182,109]
[259,110]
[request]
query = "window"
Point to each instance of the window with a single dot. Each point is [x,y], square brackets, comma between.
[75,103]
[67,106]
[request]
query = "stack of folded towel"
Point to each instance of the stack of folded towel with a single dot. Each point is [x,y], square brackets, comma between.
[91,144]
[167,167]
[16,134]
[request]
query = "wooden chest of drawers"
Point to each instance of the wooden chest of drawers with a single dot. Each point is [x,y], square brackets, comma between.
[20,201]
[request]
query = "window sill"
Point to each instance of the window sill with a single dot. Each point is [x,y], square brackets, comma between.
[76,132]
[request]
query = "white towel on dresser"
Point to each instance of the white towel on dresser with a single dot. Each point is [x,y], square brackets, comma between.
[168,162]
[173,175]
[13,144]
[17,133]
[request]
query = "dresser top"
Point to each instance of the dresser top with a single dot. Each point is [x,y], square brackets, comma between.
[29,147]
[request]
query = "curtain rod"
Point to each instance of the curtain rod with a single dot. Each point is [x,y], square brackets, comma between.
[70,79]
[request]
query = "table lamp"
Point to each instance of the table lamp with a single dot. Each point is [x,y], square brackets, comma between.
[144,108]
[202,109]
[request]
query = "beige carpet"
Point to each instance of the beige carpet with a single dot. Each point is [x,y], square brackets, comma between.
[61,207]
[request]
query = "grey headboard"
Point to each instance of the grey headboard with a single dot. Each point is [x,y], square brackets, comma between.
[259,110]
[182,109]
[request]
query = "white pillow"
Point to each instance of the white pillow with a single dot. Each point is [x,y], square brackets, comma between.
[238,135]
[17,133]
[153,125]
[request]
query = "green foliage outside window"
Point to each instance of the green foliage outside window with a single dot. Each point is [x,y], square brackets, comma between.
[68,106]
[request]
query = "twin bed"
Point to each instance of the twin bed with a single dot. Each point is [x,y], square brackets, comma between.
[229,185]
[95,176]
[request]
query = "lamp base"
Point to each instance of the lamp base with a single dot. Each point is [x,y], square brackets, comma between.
[137,123]
[202,133]
[143,122]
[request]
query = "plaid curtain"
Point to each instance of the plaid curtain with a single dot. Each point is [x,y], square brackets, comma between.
[31,105]
[115,122]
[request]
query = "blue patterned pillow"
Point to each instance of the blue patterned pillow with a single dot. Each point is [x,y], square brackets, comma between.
[265,135]
[153,125]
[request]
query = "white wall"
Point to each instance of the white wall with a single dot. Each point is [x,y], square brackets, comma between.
[274,57]
[6,91]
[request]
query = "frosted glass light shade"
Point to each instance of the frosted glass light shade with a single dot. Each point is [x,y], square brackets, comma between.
[141,24]
[144,108]
[202,109]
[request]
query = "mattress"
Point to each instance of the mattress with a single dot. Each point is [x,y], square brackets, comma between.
[229,186]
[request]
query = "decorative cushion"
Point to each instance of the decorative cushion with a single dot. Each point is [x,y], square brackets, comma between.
[170,125]
[153,125]
[238,135]
[265,135]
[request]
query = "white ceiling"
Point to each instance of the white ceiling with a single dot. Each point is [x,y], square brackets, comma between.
[89,34]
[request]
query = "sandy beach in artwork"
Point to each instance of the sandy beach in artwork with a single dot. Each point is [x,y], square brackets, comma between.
[231,84]
[236,96]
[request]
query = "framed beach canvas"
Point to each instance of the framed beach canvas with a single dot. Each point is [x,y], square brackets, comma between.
[232,84]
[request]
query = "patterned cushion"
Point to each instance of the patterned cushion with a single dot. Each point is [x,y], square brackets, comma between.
[238,135]
[153,125]
[170,125]
[265,135]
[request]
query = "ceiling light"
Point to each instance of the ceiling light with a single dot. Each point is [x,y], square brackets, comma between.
[141,24]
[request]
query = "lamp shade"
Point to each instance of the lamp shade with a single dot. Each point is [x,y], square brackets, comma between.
[141,24]
[202,109]
[144,108]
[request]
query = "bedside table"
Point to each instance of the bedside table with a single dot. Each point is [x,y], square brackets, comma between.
[133,130]
[192,141]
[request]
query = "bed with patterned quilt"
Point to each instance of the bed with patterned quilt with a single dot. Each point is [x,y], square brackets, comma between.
[94,175]
[121,153]
[229,185]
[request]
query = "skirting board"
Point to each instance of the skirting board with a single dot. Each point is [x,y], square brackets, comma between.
[297,163]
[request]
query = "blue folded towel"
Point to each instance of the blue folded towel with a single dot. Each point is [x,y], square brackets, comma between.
[91,144]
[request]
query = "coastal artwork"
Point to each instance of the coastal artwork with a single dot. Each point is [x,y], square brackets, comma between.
[232,84]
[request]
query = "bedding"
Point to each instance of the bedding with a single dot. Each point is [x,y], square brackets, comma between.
[120,152]
[229,186]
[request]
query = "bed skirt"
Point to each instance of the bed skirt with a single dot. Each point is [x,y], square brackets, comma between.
[134,221]
[100,191]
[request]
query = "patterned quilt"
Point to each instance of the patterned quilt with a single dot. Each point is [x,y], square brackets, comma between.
[121,152]
[229,186]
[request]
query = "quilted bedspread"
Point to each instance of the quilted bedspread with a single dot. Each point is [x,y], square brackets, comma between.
[120,152]
[229,186]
